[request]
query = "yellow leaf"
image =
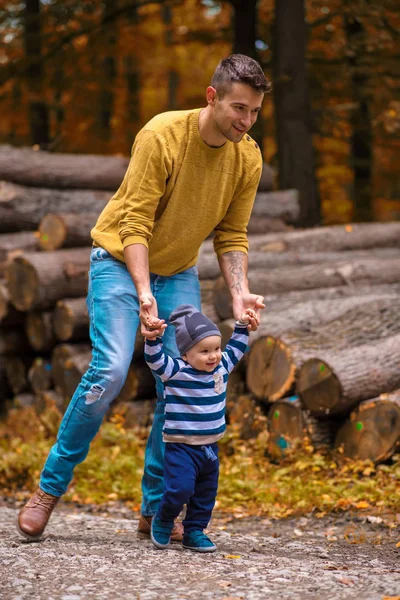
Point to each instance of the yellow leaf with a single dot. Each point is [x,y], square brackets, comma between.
[398,545]
[362,504]
[232,556]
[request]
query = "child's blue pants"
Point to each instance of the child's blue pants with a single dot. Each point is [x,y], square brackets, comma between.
[191,478]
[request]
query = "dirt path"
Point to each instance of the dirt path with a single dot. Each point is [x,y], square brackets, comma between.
[99,556]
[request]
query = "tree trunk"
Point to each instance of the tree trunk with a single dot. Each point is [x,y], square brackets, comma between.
[39,330]
[333,238]
[66,171]
[71,319]
[293,110]
[22,208]
[37,107]
[361,119]
[107,72]
[358,272]
[38,281]
[11,243]
[268,177]
[283,204]
[12,341]
[39,375]
[372,432]
[289,424]
[139,384]
[17,373]
[275,358]
[244,27]
[66,230]
[334,382]
[208,266]
[59,356]
[9,315]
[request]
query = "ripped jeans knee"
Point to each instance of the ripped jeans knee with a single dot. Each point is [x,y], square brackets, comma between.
[96,394]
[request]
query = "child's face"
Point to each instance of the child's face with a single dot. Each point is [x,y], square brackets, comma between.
[205,355]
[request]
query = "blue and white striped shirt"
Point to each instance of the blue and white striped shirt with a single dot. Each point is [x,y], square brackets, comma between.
[195,400]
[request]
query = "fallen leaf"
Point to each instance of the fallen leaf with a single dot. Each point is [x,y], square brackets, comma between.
[232,556]
[362,504]
[345,581]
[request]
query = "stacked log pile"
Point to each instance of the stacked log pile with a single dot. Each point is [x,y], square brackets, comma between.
[323,364]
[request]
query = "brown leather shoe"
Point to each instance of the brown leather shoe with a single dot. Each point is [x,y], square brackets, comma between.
[34,516]
[144,528]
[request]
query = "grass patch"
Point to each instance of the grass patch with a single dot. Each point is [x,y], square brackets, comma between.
[304,481]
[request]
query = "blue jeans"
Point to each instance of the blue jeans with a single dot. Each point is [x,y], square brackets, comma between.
[114,318]
[191,478]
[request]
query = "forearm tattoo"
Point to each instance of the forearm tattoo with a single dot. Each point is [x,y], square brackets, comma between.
[237,267]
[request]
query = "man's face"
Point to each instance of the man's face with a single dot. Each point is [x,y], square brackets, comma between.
[237,111]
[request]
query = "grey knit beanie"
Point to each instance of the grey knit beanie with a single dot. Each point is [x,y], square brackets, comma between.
[191,327]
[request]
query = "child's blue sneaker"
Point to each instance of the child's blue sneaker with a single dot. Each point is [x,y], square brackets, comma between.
[161,532]
[198,541]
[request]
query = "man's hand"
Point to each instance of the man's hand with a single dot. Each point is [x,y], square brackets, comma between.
[151,325]
[240,304]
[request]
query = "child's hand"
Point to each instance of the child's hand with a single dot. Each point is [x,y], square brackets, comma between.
[151,324]
[249,316]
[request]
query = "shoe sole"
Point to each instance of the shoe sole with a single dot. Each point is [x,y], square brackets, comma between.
[194,549]
[27,536]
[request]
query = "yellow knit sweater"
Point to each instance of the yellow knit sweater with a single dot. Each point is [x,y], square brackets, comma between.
[177,190]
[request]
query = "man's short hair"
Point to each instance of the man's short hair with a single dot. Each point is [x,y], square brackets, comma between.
[239,68]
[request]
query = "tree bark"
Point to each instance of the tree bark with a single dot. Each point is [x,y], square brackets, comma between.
[372,432]
[354,273]
[38,281]
[59,356]
[9,315]
[38,112]
[276,357]
[39,375]
[333,238]
[334,382]
[39,330]
[259,260]
[293,109]
[22,208]
[12,243]
[71,319]
[17,373]
[283,204]
[58,170]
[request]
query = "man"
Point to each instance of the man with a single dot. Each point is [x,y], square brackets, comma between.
[191,173]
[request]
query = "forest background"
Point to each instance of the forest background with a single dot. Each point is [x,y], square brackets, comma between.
[84,76]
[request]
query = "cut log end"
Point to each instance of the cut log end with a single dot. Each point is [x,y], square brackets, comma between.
[52,232]
[285,425]
[319,388]
[22,283]
[270,371]
[372,431]
[63,321]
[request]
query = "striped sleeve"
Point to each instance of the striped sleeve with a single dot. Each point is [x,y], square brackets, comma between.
[160,363]
[236,347]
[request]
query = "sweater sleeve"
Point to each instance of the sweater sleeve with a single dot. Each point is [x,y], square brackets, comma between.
[236,346]
[231,233]
[159,362]
[143,186]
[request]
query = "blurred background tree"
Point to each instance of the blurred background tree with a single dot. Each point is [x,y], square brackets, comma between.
[85,76]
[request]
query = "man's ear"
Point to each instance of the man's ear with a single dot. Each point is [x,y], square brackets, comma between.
[211,95]
[184,356]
